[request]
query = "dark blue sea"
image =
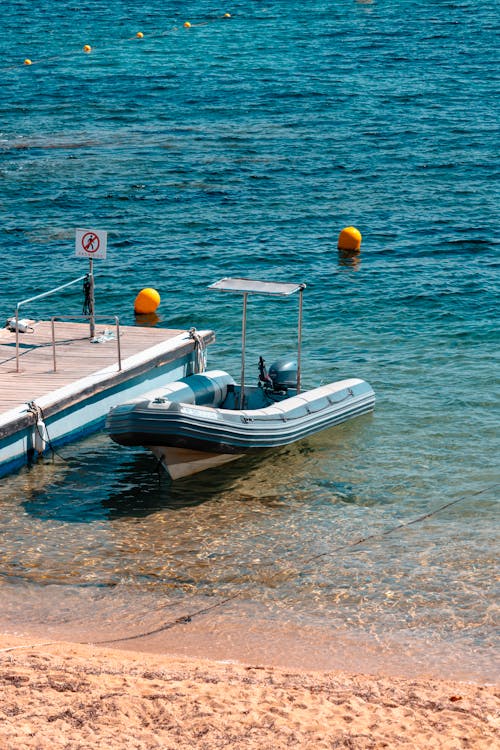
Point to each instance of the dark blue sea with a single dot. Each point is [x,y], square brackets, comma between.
[242,146]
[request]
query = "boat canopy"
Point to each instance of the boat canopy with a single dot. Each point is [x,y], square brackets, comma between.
[253,286]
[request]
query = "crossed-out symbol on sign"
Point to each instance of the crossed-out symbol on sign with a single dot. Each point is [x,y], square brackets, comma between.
[90,242]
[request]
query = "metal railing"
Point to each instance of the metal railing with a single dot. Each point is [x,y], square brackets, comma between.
[96,317]
[32,299]
[91,318]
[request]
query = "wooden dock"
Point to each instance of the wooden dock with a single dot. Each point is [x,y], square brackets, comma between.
[76,357]
[74,398]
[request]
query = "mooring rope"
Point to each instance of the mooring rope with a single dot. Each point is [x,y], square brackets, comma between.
[87,296]
[38,417]
[200,350]
[185,619]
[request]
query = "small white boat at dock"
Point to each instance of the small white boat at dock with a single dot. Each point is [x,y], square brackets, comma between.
[207,419]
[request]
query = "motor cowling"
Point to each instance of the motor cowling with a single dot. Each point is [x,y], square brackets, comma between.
[283,373]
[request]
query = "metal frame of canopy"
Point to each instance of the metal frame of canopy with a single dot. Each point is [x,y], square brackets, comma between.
[274,288]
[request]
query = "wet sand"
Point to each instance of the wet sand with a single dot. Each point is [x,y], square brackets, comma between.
[64,695]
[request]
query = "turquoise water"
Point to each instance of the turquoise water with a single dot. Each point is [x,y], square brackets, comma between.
[242,146]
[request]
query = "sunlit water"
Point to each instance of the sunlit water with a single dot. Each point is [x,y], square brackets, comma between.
[242,147]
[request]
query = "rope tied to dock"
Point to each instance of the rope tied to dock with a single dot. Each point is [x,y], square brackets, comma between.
[35,410]
[200,350]
[41,437]
[87,305]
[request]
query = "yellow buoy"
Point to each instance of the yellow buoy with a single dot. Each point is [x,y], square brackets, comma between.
[226,15]
[349,239]
[187,25]
[140,35]
[87,48]
[27,61]
[146,301]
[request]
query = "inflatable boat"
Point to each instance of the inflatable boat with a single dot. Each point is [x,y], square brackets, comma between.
[206,419]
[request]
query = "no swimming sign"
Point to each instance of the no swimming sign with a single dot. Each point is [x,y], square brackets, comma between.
[90,243]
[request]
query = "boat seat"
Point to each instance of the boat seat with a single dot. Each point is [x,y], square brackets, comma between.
[210,388]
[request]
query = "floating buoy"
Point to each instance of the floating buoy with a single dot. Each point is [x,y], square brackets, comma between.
[140,35]
[146,301]
[349,239]
[187,25]
[87,48]
[226,15]
[27,61]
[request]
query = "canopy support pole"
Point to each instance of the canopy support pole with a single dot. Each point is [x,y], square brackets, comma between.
[243,345]
[299,344]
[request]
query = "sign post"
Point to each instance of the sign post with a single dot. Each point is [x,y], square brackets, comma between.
[91,243]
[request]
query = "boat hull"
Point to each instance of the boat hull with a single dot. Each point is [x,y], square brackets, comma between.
[181,433]
[183,462]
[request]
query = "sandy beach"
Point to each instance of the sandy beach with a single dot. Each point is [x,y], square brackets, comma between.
[71,696]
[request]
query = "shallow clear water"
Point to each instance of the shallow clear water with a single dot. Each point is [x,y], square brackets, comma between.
[243,146]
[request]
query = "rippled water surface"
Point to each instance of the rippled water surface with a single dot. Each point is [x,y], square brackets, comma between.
[242,146]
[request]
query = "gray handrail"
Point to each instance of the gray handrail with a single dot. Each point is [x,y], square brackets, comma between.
[32,299]
[51,291]
[100,317]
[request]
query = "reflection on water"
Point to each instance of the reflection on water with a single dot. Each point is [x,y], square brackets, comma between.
[349,259]
[105,533]
[147,320]
[158,491]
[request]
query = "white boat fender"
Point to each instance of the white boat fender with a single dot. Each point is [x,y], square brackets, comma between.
[40,436]
[40,433]
[23,326]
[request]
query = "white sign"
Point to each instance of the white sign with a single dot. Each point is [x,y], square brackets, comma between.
[91,243]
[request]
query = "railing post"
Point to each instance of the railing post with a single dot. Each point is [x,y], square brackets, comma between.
[53,324]
[118,345]
[17,338]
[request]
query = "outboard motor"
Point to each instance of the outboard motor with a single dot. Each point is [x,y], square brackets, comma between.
[283,373]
